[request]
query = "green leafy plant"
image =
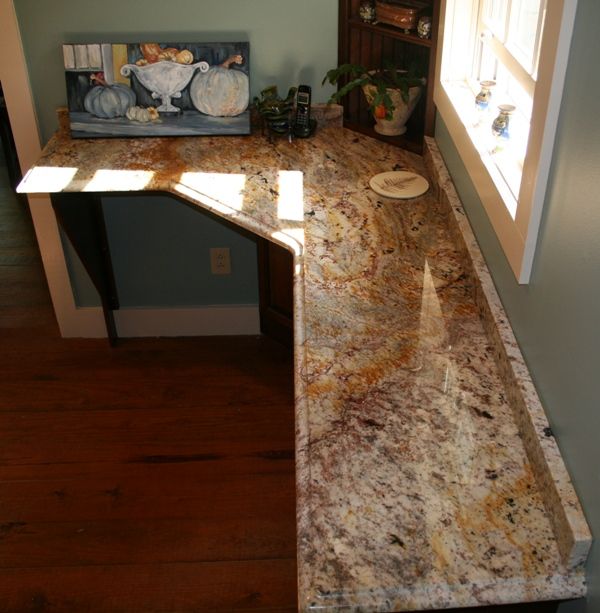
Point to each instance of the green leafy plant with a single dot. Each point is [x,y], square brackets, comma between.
[274,109]
[382,79]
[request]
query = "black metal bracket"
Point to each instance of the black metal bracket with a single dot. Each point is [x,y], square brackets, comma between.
[81,217]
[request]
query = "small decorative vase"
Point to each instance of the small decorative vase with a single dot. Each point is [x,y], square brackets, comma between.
[501,125]
[367,12]
[402,110]
[482,100]
[424,27]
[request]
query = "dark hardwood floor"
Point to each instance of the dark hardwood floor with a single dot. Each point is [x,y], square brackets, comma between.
[155,476]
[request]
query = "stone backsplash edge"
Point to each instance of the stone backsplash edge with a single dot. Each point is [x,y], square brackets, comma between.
[562,504]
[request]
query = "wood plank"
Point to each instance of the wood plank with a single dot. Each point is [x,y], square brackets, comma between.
[19,279]
[71,374]
[157,435]
[14,218]
[39,317]
[141,365]
[97,356]
[250,486]
[13,237]
[243,536]
[46,391]
[263,462]
[259,586]
[26,255]
[248,354]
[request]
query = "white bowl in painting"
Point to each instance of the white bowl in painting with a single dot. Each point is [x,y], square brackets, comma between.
[165,80]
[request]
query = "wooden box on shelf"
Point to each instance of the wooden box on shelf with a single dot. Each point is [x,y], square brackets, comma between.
[375,44]
[403,15]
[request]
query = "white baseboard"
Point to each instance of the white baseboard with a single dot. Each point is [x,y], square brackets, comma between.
[214,320]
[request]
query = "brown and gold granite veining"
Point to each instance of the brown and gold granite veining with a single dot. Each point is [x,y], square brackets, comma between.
[415,489]
[561,501]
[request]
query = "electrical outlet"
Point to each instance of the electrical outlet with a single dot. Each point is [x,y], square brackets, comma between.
[220,261]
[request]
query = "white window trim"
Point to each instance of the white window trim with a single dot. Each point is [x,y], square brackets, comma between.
[517,236]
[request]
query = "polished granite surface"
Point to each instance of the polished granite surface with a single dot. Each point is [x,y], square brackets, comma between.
[415,487]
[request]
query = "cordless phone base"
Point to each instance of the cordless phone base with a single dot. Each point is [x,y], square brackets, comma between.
[305,131]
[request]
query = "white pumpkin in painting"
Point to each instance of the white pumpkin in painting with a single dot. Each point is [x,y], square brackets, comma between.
[108,101]
[141,114]
[221,92]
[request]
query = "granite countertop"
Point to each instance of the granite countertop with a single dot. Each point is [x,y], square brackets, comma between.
[416,487]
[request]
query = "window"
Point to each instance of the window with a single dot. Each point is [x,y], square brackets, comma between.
[519,49]
[506,53]
[83,57]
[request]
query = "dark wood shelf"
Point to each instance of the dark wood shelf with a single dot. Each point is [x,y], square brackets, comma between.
[390,31]
[409,141]
[373,45]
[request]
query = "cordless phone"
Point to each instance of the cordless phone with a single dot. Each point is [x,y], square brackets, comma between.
[303,127]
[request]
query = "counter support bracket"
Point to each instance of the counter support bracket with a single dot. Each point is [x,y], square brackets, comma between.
[81,217]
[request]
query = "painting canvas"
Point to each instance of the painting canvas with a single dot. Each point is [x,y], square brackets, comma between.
[157,89]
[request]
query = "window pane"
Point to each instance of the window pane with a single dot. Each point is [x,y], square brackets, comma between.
[489,65]
[523,30]
[512,93]
[494,15]
[508,91]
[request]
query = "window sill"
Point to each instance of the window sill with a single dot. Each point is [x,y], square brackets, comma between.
[453,101]
[504,167]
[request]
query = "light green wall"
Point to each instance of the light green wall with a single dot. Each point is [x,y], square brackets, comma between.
[168,255]
[291,42]
[556,318]
[179,256]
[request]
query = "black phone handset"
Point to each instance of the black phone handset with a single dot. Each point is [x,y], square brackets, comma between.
[303,125]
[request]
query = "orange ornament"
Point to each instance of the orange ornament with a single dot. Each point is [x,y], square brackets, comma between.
[380,111]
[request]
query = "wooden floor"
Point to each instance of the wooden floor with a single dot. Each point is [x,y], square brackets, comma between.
[156,476]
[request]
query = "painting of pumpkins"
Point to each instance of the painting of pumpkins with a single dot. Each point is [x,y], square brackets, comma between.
[157,89]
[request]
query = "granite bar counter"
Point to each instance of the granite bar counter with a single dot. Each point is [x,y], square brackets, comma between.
[427,476]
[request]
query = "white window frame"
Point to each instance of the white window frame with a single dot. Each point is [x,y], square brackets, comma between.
[517,234]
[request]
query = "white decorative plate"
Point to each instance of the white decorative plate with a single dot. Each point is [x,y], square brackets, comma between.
[399,184]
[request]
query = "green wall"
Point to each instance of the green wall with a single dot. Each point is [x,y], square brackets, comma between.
[291,42]
[556,318]
[168,255]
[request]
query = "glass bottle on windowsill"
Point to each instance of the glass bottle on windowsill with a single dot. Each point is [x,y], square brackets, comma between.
[501,127]
[482,101]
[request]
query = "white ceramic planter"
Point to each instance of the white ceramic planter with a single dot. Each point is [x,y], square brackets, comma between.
[402,111]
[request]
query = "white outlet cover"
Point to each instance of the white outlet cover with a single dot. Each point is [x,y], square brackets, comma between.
[220,261]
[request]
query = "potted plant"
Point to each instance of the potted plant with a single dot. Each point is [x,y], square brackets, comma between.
[392,94]
[274,110]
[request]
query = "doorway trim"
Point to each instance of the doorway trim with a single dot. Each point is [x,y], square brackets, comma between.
[72,321]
